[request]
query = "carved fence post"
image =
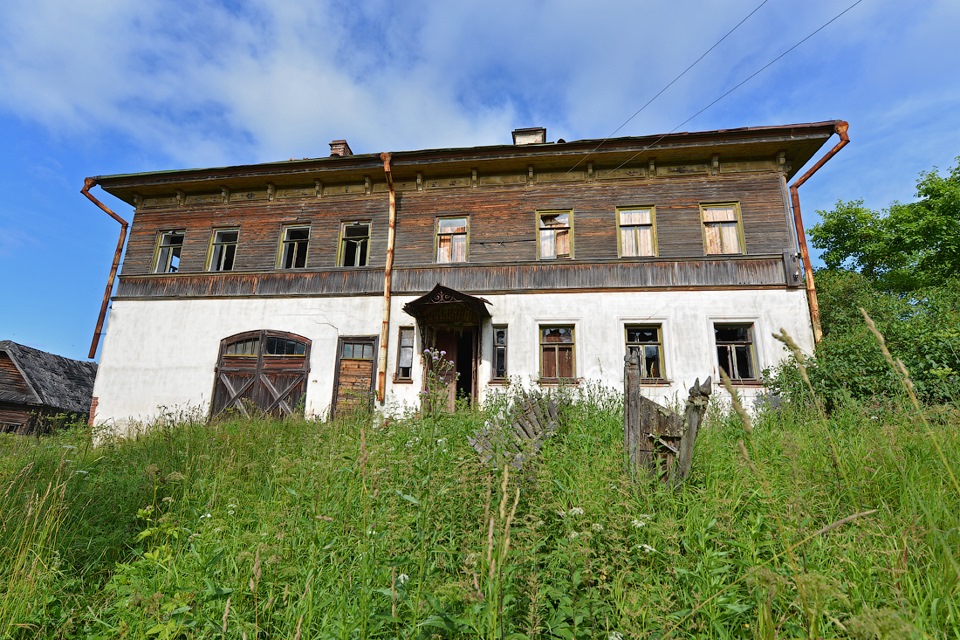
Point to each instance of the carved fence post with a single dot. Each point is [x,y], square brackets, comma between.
[631,410]
[693,416]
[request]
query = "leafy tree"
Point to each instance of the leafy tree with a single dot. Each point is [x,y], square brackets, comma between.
[902,265]
[903,248]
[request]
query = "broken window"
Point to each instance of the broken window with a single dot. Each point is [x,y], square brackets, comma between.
[169,244]
[637,232]
[405,354]
[735,351]
[223,249]
[354,244]
[247,347]
[359,350]
[293,248]
[499,352]
[721,229]
[451,240]
[556,352]
[555,239]
[646,343]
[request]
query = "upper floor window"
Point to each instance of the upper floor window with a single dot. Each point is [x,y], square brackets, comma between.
[452,239]
[735,351]
[646,343]
[169,244]
[556,352]
[722,231]
[637,231]
[293,247]
[354,244]
[223,249]
[555,234]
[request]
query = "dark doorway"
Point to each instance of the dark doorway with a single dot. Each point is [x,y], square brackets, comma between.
[460,348]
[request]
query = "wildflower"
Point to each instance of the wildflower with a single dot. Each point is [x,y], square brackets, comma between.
[205,516]
[596,526]
[561,514]
[646,548]
[638,524]
[402,579]
[615,635]
[573,535]
[167,499]
[576,511]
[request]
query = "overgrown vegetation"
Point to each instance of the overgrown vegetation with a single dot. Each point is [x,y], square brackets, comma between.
[360,528]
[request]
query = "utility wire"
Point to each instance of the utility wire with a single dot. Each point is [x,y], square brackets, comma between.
[671,83]
[741,83]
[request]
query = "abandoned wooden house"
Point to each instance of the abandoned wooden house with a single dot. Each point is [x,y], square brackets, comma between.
[40,390]
[315,285]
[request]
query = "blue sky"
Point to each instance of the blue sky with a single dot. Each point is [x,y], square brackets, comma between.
[119,86]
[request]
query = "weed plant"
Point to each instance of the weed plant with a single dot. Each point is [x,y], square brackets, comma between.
[386,527]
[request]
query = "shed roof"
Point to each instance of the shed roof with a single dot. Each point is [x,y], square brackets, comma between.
[54,381]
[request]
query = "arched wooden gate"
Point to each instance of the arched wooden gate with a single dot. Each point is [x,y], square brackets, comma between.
[262,371]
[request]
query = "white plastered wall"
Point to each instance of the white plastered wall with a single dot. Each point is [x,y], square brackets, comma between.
[160,355]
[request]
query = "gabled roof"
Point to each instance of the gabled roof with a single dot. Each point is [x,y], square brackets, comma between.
[53,381]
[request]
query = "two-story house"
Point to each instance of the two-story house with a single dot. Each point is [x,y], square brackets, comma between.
[312,285]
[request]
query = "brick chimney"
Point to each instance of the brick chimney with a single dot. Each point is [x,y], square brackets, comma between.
[340,148]
[530,135]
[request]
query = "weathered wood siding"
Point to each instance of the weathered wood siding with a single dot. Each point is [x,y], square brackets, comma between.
[502,222]
[13,387]
[539,276]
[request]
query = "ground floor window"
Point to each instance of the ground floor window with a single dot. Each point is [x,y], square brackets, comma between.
[557,360]
[645,341]
[499,352]
[735,352]
[405,354]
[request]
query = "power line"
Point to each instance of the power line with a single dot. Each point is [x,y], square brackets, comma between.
[672,82]
[741,83]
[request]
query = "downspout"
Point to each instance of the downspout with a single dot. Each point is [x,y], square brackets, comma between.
[841,130]
[88,184]
[387,283]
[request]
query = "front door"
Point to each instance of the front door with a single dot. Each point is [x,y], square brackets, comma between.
[356,370]
[460,347]
[262,371]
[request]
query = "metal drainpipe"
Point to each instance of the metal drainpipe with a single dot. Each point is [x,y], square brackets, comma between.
[88,184]
[387,283]
[841,130]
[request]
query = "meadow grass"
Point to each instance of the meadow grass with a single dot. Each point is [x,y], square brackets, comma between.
[383,528]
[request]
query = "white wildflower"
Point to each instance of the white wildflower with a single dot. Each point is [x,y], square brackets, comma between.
[573,535]
[576,511]
[615,635]
[646,548]
[638,524]
[596,526]
[561,514]
[206,516]
[402,579]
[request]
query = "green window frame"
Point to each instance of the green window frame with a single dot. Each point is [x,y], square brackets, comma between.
[555,234]
[558,358]
[452,240]
[722,228]
[736,353]
[294,241]
[637,232]
[354,244]
[646,342]
[167,254]
[500,352]
[222,253]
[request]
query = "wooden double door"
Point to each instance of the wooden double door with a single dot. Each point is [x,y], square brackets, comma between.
[262,372]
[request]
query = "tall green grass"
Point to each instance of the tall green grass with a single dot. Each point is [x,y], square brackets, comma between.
[383,528]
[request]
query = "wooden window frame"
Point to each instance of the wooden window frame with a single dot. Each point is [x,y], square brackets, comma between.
[570,231]
[573,352]
[211,249]
[342,238]
[497,348]
[652,225]
[161,246]
[741,244]
[466,239]
[398,376]
[662,378]
[731,345]
[281,253]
